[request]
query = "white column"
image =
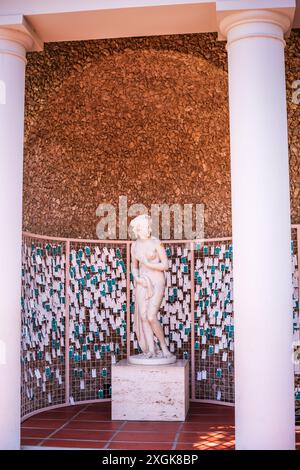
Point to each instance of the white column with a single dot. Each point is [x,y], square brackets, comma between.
[13,45]
[264,381]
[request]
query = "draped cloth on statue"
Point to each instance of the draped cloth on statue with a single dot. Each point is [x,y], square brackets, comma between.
[142,296]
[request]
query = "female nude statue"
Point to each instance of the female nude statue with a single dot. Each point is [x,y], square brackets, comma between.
[149,261]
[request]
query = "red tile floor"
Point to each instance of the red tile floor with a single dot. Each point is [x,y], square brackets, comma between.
[89,426]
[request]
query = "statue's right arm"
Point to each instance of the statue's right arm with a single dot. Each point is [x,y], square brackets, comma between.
[134,265]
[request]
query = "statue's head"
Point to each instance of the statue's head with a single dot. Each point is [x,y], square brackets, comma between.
[141,226]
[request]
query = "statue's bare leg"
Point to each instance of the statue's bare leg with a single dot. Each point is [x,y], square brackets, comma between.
[149,351]
[158,331]
[149,337]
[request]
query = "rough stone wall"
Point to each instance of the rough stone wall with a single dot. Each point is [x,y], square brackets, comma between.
[293,74]
[146,118]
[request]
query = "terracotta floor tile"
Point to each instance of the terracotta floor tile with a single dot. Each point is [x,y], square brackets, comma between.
[151,426]
[209,418]
[74,444]
[43,423]
[206,424]
[202,412]
[48,417]
[57,414]
[212,420]
[82,435]
[99,406]
[93,416]
[298,438]
[185,447]
[208,446]
[207,427]
[144,436]
[26,441]
[35,432]
[193,437]
[73,408]
[229,445]
[140,445]
[94,425]
[226,411]
[205,439]
[198,426]
[205,408]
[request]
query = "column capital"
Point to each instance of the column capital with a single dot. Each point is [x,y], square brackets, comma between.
[16,28]
[271,18]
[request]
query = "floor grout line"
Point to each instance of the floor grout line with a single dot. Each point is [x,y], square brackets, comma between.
[107,441]
[177,435]
[140,431]
[88,420]
[28,447]
[119,440]
[115,434]
[61,427]
[71,439]
[60,419]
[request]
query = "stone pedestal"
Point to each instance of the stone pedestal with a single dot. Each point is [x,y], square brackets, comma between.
[150,392]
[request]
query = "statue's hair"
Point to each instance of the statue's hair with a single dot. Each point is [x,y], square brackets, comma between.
[138,221]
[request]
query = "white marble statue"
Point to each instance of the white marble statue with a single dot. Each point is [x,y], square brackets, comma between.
[149,261]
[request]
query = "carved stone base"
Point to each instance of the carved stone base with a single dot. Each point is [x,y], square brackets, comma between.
[150,392]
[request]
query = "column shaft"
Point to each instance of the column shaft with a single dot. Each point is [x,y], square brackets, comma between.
[264,380]
[12,80]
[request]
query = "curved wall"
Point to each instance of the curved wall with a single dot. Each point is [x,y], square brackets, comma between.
[77,317]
